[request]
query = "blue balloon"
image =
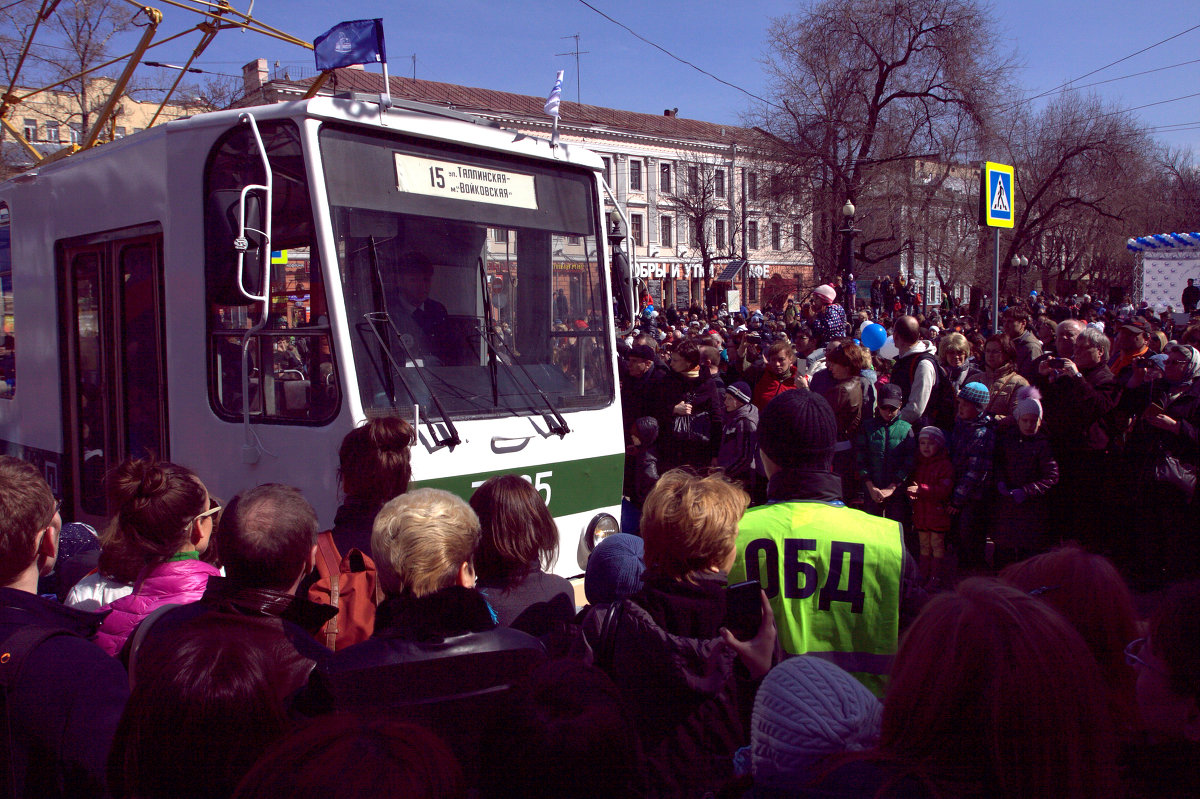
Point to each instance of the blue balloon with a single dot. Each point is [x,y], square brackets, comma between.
[873,336]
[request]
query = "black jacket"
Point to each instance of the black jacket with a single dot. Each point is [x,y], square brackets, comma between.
[299,619]
[704,394]
[65,703]
[1072,405]
[690,697]
[430,649]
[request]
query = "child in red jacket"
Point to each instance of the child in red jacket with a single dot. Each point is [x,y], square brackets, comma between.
[933,483]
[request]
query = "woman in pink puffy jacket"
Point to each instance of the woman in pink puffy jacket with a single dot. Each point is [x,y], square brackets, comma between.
[164,511]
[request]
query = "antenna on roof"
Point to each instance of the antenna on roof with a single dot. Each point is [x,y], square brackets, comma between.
[576,52]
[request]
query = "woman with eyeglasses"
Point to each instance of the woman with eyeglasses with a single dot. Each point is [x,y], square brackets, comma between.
[164,519]
[1163,453]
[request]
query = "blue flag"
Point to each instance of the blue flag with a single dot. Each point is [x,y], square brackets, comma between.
[349,43]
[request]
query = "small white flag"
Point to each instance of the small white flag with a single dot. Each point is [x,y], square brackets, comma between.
[555,96]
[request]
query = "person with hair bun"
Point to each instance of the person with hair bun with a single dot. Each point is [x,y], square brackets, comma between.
[519,542]
[163,513]
[373,467]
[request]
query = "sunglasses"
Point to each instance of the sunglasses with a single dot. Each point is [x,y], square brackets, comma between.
[215,509]
[1133,653]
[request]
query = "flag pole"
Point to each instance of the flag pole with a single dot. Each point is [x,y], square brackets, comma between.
[385,99]
[551,108]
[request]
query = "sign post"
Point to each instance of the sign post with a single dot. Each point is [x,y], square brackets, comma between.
[996,210]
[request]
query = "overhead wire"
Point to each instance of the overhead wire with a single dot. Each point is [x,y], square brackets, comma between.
[683,61]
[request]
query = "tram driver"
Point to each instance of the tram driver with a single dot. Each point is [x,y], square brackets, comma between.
[422,322]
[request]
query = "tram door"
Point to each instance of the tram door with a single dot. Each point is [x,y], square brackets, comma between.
[113,361]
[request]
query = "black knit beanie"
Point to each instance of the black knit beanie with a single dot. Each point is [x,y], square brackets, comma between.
[798,430]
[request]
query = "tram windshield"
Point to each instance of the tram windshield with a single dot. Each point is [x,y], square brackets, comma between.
[471,280]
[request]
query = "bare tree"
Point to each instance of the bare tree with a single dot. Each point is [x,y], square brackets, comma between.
[76,37]
[862,86]
[1081,168]
[701,198]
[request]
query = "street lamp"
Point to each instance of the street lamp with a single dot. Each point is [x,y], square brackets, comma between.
[848,256]
[1020,263]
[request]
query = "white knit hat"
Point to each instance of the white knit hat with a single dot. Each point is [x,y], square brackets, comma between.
[808,708]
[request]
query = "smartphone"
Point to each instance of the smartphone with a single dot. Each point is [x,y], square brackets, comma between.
[743,609]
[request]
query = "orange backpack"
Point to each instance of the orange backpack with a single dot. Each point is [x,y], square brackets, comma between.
[349,584]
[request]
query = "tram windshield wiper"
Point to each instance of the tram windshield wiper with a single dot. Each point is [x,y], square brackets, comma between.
[382,319]
[378,320]
[554,420]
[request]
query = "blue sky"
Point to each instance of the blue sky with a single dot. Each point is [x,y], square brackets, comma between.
[513,46]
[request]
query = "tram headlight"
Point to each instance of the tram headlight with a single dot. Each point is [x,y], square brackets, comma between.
[600,527]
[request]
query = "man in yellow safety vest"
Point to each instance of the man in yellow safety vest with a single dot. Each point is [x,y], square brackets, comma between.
[834,576]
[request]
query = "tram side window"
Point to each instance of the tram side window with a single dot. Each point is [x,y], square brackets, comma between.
[8,364]
[291,375]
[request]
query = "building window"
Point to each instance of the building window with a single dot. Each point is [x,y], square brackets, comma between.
[76,131]
[664,178]
[776,236]
[635,175]
[635,228]
[31,130]
[719,183]
[797,235]
[607,170]
[499,234]
[693,179]
[119,133]
[574,241]
[752,235]
[695,228]
[752,186]
[52,132]
[666,231]
[752,289]
[720,234]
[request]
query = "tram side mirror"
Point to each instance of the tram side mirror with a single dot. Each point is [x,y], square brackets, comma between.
[221,254]
[621,287]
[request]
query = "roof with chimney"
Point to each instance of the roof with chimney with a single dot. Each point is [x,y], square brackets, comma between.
[507,105]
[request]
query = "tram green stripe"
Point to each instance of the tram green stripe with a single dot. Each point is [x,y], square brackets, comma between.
[575,486]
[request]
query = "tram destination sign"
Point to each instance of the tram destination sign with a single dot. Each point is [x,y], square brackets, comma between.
[459,181]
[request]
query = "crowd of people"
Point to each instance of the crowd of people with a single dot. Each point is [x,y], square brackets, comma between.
[1052,424]
[894,570]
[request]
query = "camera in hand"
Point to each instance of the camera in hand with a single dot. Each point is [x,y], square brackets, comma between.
[1058,363]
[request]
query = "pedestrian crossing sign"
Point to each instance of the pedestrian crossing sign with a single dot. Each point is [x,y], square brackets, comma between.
[996,195]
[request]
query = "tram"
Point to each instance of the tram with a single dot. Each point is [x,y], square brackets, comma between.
[237,290]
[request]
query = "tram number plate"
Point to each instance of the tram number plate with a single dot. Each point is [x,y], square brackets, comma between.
[538,481]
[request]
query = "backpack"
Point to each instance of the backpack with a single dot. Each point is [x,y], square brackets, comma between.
[13,652]
[349,584]
[942,407]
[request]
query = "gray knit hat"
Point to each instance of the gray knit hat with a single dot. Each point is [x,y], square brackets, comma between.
[805,709]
